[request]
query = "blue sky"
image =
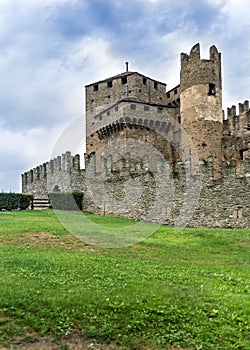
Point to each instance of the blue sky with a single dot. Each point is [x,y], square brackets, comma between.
[50,49]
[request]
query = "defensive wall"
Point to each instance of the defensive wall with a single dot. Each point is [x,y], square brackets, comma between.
[166,156]
[133,189]
[61,174]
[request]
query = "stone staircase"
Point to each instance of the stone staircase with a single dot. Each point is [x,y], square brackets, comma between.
[41,203]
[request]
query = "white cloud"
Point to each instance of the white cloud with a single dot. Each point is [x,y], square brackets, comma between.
[48,53]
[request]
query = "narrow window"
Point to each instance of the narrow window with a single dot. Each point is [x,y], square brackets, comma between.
[175,91]
[124,80]
[132,106]
[168,95]
[242,153]
[144,80]
[109,84]
[156,85]
[95,87]
[211,89]
[146,108]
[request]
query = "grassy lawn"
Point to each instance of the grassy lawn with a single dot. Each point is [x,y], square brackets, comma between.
[187,290]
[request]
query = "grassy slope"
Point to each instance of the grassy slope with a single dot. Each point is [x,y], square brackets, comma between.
[189,289]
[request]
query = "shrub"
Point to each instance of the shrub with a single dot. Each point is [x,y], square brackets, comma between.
[15,201]
[66,201]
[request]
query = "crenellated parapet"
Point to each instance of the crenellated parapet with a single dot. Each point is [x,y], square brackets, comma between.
[195,71]
[59,174]
[125,115]
[237,122]
[236,133]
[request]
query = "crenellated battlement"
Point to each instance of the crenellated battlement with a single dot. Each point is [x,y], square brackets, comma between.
[152,149]
[194,56]
[237,122]
[243,108]
[196,71]
[54,175]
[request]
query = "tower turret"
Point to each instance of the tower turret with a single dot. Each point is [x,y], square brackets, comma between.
[201,103]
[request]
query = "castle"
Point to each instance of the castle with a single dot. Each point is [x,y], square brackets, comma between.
[171,157]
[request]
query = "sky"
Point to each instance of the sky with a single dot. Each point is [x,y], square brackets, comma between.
[51,49]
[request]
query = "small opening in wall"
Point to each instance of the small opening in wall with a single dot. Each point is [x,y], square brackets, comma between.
[91,144]
[242,153]
[159,110]
[168,95]
[124,80]
[238,213]
[211,89]
[139,90]
[144,81]
[156,86]
[95,87]
[204,144]
[110,84]
[100,117]
[175,91]
[179,119]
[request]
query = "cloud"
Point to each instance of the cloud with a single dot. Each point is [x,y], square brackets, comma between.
[51,48]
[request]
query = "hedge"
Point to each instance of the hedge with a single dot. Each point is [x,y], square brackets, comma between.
[66,201]
[15,201]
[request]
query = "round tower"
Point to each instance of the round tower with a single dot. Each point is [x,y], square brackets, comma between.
[201,104]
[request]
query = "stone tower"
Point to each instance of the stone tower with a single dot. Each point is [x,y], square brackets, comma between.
[201,104]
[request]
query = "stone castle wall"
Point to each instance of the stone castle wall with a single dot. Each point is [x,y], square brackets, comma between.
[162,156]
[61,174]
[136,188]
[139,189]
[236,133]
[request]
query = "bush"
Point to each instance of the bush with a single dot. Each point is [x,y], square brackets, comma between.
[66,201]
[15,201]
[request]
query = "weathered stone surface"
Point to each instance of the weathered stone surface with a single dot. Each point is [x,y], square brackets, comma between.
[168,157]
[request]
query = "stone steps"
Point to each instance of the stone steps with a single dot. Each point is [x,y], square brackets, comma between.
[41,203]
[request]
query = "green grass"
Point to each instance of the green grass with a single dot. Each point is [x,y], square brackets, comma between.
[188,289]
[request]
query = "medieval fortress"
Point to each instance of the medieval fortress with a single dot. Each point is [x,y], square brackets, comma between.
[172,157]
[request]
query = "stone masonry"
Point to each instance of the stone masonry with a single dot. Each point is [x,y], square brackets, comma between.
[171,157]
